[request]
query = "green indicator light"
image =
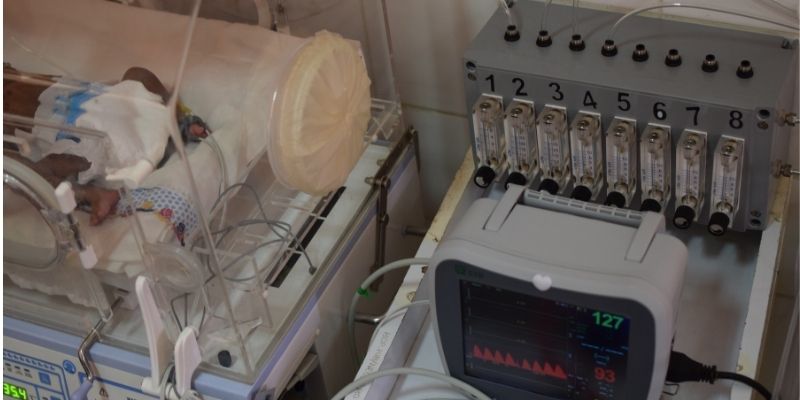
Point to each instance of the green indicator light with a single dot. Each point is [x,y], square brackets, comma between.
[362,292]
[607,320]
[15,392]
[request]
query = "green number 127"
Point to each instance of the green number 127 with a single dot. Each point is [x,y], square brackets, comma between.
[607,320]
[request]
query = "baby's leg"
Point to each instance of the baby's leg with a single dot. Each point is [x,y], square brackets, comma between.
[21,91]
[56,168]
[42,168]
[64,166]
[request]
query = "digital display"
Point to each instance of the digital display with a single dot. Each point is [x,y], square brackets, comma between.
[543,346]
[15,392]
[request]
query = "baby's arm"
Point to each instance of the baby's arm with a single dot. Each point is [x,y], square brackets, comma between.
[56,168]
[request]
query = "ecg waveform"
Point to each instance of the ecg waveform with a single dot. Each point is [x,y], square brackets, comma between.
[496,357]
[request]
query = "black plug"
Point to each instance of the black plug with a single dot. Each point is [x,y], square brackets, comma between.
[684,369]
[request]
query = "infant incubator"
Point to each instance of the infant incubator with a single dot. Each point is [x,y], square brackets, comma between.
[209,246]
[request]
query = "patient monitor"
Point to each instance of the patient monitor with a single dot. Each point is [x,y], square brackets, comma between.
[531,303]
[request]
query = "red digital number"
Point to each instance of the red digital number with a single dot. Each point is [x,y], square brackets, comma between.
[611,377]
[607,375]
[599,373]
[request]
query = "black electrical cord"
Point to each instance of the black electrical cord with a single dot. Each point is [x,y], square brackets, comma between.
[684,369]
[747,381]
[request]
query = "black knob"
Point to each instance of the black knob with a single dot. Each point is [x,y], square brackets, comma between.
[745,70]
[684,216]
[673,58]
[550,186]
[650,205]
[484,176]
[609,48]
[718,224]
[615,199]
[577,43]
[710,63]
[640,53]
[544,39]
[512,33]
[515,178]
[581,193]
[224,358]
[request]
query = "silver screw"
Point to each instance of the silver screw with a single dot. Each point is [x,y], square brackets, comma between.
[791,119]
[728,150]
[654,135]
[787,171]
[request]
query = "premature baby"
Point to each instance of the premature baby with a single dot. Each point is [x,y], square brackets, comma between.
[130,112]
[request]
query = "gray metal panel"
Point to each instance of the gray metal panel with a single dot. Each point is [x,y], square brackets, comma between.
[771,63]
[718,94]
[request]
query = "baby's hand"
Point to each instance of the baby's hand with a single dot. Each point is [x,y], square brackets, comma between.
[65,165]
[103,202]
[198,130]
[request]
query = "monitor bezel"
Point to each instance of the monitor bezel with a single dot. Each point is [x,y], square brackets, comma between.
[449,274]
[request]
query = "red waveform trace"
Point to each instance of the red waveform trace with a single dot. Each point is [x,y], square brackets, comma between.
[496,357]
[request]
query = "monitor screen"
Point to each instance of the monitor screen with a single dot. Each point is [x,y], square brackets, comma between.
[543,346]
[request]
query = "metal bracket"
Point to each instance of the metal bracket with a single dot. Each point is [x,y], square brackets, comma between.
[369,319]
[381,182]
[382,185]
[86,360]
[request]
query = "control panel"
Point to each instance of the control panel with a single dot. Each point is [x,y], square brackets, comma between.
[32,372]
[689,120]
[29,378]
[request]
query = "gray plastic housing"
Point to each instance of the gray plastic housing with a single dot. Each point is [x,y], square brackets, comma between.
[637,272]
[682,97]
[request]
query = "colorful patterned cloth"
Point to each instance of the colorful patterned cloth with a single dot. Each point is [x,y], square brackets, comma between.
[169,206]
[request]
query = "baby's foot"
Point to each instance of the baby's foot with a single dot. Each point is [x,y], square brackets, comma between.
[103,203]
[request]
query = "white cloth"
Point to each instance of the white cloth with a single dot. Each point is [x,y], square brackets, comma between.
[134,120]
